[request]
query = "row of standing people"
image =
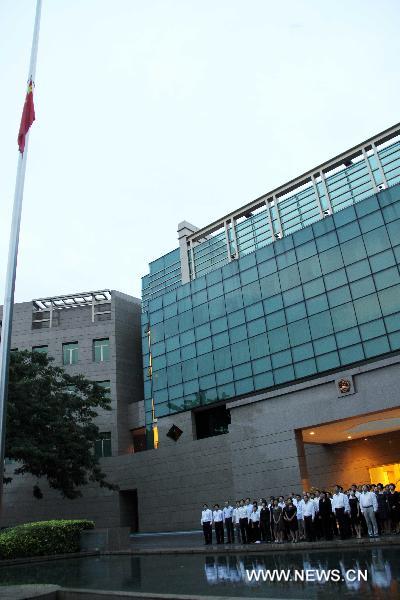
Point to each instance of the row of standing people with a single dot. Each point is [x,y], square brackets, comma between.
[361,510]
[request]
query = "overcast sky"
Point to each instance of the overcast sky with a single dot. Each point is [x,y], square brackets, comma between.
[153,112]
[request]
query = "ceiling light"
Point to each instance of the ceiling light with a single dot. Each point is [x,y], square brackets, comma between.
[365,439]
[312,432]
[349,437]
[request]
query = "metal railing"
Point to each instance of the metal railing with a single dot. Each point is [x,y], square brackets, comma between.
[346,179]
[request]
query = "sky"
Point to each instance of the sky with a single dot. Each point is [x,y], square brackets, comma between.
[151,113]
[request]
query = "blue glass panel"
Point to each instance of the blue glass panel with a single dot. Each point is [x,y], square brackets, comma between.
[259,346]
[277,319]
[224,376]
[263,381]
[237,334]
[261,365]
[390,300]
[351,354]
[376,347]
[362,287]
[305,368]
[244,386]
[242,371]
[367,308]
[320,324]
[348,337]
[302,352]
[284,374]
[278,339]
[240,352]
[236,318]
[281,359]
[256,327]
[328,361]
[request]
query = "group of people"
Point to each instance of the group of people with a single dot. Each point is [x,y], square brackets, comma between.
[318,515]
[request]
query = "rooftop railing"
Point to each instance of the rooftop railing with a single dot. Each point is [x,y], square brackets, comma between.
[346,179]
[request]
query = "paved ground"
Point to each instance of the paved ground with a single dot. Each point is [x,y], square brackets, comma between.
[193,542]
[23,592]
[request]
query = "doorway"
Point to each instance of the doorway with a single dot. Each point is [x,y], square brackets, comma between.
[386,474]
[128,510]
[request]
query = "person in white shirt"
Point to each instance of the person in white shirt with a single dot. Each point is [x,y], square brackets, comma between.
[308,513]
[243,521]
[300,520]
[315,498]
[236,522]
[206,522]
[228,520]
[218,520]
[369,506]
[341,509]
[282,502]
[254,525]
[249,510]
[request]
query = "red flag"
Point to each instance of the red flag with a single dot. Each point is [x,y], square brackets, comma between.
[28,116]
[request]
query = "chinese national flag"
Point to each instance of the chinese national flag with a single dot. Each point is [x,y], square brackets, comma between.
[28,116]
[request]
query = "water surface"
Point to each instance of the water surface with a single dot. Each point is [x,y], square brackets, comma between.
[220,575]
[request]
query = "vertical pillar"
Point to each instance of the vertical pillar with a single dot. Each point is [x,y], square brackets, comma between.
[305,481]
[378,160]
[318,199]
[184,230]
[371,175]
[228,242]
[328,200]
[271,228]
[278,216]
[235,237]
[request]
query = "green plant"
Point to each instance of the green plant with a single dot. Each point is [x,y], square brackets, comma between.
[42,538]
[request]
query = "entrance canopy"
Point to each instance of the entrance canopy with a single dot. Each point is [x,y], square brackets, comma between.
[363,426]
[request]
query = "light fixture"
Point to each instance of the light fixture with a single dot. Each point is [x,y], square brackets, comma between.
[312,432]
[365,439]
[349,437]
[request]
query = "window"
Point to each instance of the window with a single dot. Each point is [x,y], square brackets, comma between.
[139,439]
[70,353]
[41,349]
[102,446]
[211,422]
[101,350]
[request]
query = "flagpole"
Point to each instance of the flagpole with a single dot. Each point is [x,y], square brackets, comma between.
[12,263]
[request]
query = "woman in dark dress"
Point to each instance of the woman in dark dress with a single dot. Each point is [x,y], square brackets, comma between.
[325,515]
[265,523]
[382,515]
[394,508]
[277,522]
[290,521]
[355,514]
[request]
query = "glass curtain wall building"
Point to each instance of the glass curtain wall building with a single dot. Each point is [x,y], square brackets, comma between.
[303,281]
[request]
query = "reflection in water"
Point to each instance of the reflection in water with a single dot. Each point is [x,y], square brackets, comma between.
[226,574]
[374,566]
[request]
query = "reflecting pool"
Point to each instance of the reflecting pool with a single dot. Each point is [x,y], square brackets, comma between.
[372,573]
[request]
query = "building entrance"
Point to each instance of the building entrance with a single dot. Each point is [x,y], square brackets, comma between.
[386,474]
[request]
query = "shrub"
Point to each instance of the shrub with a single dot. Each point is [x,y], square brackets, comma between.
[42,538]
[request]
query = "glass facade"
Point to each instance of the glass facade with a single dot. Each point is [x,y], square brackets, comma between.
[325,296]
